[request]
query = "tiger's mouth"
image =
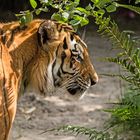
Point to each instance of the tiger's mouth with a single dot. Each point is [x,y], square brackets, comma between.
[75,90]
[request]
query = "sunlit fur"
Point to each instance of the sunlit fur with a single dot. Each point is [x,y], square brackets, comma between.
[43,57]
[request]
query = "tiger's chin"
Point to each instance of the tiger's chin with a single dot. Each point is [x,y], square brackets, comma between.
[76,96]
[72,93]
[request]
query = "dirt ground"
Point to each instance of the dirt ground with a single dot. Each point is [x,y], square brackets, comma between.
[36,114]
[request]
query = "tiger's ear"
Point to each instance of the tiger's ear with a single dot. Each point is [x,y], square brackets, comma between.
[47,32]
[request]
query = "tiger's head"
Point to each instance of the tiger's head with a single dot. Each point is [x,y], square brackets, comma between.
[62,64]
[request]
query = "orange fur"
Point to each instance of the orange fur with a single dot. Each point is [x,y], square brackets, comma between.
[8,92]
[13,61]
[28,59]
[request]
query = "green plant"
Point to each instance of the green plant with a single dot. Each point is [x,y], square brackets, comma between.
[70,11]
[126,113]
[129,56]
[91,133]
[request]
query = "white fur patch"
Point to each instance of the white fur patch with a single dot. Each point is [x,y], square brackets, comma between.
[50,81]
[73,42]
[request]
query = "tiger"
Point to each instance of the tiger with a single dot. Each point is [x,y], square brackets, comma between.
[44,57]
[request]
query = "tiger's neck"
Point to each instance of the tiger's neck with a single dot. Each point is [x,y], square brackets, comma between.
[30,60]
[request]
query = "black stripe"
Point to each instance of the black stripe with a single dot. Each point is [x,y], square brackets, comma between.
[71,37]
[61,67]
[65,46]
[8,41]
[53,65]
[12,35]
[59,73]
[1,32]
[11,39]
[71,64]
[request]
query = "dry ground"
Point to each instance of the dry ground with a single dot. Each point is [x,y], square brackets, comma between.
[36,114]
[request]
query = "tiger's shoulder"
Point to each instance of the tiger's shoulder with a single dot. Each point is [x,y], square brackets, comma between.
[13,32]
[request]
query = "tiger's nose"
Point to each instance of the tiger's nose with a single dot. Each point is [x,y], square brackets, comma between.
[94,79]
[93,82]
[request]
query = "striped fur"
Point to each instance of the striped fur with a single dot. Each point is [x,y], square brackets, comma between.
[43,57]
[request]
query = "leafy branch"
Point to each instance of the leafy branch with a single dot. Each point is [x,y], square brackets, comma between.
[70,11]
[91,133]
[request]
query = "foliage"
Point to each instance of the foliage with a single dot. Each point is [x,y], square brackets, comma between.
[90,132]
[129,56]
[70,11]
[126,114]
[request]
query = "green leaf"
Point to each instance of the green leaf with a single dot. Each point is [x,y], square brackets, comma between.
[77,1]
[56,16]
[82,10]
[44,9]
[65,16]
[89,7]
[29,17]
[95,1]
[130,7]
[74,22]
[111,8]
[70,6]
[102,3]
[77,17]
[38,11]
[101,11]
[44,1]
[76,12]
[22,20]
[33,3]
[137,1]
[26,17]
[84,21]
